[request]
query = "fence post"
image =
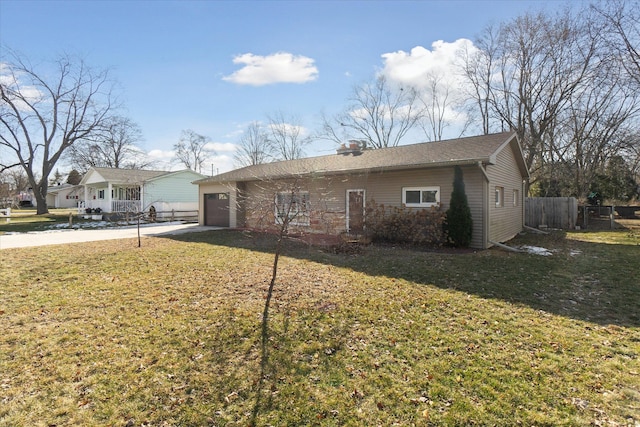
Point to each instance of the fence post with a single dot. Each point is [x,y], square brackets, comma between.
[173,214]
[612,219]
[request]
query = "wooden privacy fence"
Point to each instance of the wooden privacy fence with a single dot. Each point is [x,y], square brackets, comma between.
[551,212]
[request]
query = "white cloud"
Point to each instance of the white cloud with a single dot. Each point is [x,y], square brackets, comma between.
[220,147]
[161,154]
[289,129]
[26,93]
[222,163]
[417,66]
[437,75]
[279,67]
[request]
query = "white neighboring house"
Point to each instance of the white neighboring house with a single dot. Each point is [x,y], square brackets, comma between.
[134,190]
[63,195]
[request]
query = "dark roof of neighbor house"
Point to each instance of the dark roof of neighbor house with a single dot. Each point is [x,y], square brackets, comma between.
[468,150]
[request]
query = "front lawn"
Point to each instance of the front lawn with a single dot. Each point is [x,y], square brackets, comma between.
[24,220]
[169,334]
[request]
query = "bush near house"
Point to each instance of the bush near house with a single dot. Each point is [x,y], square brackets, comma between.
[392,224]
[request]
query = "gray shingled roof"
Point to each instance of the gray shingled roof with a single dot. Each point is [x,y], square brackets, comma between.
[467,150]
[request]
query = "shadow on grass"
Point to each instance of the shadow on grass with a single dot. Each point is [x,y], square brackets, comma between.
[591,282]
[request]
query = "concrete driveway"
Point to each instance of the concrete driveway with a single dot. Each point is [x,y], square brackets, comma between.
[60,237]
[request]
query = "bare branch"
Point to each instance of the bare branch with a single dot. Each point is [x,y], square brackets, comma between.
[43,113]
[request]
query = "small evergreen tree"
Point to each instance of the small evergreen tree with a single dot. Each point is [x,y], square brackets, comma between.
[458,224]
[74,177]
[56,179]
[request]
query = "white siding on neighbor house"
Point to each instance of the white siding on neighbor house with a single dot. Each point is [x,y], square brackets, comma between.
[506,220]
[219,188]
[65,197]
[92,177]
[174,191]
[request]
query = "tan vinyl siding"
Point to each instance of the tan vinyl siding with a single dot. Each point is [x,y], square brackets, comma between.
[487,161]
[506,220]
[328,196]
[474,183]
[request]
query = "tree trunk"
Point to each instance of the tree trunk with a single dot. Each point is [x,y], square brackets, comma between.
[40,193]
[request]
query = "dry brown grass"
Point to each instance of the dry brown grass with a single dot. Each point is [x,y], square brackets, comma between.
[169,334]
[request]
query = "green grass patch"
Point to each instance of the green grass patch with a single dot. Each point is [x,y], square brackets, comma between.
[630,236]
[25,220]
[107,333]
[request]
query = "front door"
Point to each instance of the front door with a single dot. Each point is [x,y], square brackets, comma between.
[355,211]
[216,209]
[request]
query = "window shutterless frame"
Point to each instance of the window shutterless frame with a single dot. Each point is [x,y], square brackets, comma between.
[420,197]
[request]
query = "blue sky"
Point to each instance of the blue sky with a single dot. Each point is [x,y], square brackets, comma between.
[216,66]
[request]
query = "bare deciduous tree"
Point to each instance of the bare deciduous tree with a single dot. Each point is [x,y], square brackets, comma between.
[438,113]
[622,31]
[286,137]
[254,147]
[479,69]
[377,113]
[526,73]
[558,82]
[592,128]
[192,150]
[113,146]
[43,113]
[286,209]
[12,182]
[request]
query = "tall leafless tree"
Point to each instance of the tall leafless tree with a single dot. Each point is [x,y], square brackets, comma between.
[526,72]
[557,81]
[286,138]
[378,113]
[592,128]
[622,31]
[12,182]
[253,147]
[113,146]
[479,67]
[440,109]
[45,112]
[192,150]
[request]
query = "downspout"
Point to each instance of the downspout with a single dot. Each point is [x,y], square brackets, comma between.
[523,198]
[485,208]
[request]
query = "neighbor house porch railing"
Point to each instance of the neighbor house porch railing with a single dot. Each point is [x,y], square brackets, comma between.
[126,206]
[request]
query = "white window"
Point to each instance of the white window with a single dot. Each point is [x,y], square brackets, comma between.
[101,194]
[420,197]
[499,197]
[516,197]
[295,206]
